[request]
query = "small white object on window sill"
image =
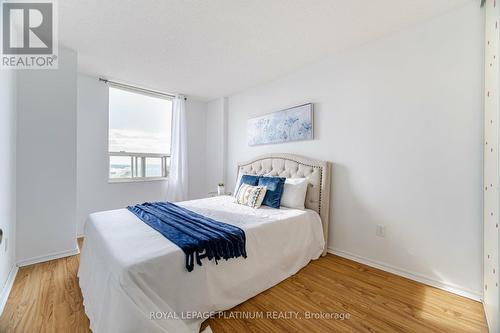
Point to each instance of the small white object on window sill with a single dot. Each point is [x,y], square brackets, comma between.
[220,189]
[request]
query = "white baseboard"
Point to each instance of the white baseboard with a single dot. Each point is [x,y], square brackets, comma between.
[472,294]
[49,257]
[4,295]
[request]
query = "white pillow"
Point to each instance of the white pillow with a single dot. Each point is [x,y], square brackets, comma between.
[294,193]
[238,181]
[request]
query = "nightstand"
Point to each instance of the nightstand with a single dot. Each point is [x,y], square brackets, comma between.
[215,194]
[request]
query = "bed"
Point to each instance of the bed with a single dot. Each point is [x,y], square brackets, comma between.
[133,279]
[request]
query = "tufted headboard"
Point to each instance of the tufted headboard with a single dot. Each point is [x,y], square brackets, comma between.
[294,166]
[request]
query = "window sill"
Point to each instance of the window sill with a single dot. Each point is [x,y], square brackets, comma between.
[135,180]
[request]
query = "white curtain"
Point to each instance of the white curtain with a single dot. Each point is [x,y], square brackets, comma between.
[178,176]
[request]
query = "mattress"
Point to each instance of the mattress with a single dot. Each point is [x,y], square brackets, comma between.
[134,280]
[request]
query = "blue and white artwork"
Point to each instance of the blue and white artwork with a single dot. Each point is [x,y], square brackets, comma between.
[292,124]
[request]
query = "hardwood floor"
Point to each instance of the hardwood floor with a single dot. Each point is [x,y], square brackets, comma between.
[46,298]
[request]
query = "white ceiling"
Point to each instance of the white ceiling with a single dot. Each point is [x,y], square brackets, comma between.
[213,48]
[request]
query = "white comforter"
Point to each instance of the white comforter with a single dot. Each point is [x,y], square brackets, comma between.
[134,280]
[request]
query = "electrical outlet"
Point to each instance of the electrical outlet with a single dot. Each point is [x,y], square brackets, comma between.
[380,230]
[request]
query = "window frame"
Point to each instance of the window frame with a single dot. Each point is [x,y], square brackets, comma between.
[142,156]
[134,159]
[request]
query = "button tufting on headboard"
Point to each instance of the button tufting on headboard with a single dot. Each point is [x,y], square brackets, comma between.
[294,166]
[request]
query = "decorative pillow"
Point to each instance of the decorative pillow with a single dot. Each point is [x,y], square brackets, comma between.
[294,193]
[246,179]
[250,195]
[274,186]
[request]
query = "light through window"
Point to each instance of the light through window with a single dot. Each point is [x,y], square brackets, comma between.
[139,135]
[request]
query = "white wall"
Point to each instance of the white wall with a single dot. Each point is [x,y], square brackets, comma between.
[400,118]
[46,161]
[196,119]
[491,298]
[7,176]
[94,192]
[216,142]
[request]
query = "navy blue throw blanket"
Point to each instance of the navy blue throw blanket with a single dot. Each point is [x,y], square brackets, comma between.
[198,236]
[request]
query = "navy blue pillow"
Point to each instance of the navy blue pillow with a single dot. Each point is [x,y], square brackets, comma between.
[275,186]
[249,179]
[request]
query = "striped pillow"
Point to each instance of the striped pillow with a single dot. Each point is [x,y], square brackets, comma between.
[249,195]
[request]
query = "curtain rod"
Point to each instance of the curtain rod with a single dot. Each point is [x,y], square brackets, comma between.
[144,90]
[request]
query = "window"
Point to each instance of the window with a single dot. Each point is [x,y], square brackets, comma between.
[139,135]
